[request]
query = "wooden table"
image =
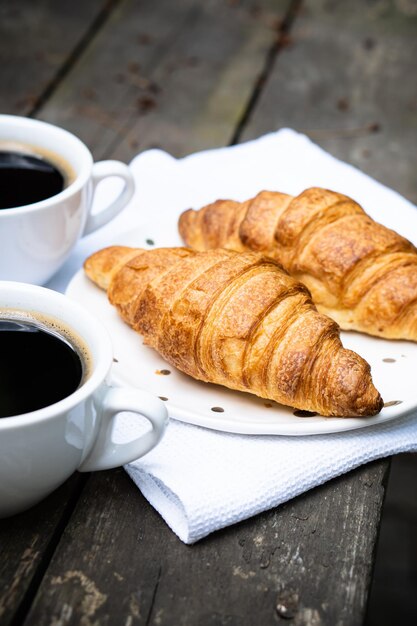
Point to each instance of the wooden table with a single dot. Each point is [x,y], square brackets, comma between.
[186,75]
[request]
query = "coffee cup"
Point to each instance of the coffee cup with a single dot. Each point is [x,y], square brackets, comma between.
[48,181]
[55,436]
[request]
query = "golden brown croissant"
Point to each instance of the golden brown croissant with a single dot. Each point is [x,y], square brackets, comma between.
[237,320]
[359,272]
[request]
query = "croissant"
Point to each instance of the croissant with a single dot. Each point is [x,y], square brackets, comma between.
[360,273]
[237,320]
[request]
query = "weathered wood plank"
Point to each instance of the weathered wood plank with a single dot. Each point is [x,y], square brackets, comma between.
[305,563]
[347,77]
[26,544]
[37,40]
[172,74]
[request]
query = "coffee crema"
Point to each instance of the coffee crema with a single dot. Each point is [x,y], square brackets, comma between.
[39,364]
[29,174]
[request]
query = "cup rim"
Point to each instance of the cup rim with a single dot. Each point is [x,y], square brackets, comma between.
[101,363]
[74,187]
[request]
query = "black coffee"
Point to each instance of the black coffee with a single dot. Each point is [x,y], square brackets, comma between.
[26,178]
[37,367]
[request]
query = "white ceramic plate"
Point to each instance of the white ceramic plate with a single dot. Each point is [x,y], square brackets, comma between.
[393,363]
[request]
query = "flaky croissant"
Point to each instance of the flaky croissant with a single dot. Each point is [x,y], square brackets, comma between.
[360,273]
[237,320]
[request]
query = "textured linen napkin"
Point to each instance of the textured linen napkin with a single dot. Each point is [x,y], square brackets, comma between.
[201,480]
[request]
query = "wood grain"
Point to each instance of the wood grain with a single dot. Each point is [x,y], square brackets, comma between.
[305,563]
[173,74]
[38,42]
[345,79]
[27,542]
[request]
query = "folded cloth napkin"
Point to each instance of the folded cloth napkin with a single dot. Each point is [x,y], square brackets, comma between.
[201,480]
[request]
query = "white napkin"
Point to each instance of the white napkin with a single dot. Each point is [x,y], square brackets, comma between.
[201,480]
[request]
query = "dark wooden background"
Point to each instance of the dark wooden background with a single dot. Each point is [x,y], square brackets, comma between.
[184,75]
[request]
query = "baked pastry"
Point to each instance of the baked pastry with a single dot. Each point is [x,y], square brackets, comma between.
[360,273]
[236,320]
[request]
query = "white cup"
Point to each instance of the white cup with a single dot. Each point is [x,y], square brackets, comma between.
[36,239]
[41,449]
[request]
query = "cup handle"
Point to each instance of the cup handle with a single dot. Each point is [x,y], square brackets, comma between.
[105,453]
[102,170]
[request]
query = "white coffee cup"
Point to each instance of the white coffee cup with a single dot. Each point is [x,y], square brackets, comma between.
[36,239]
[41,449]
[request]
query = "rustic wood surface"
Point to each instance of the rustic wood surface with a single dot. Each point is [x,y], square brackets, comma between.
[175,75]
[39,41]
[118,562]
[128,75]
[27,542]
[347,78]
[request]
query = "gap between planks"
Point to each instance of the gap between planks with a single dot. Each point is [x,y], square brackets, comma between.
[101,18]
[281,41]
[27,600]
